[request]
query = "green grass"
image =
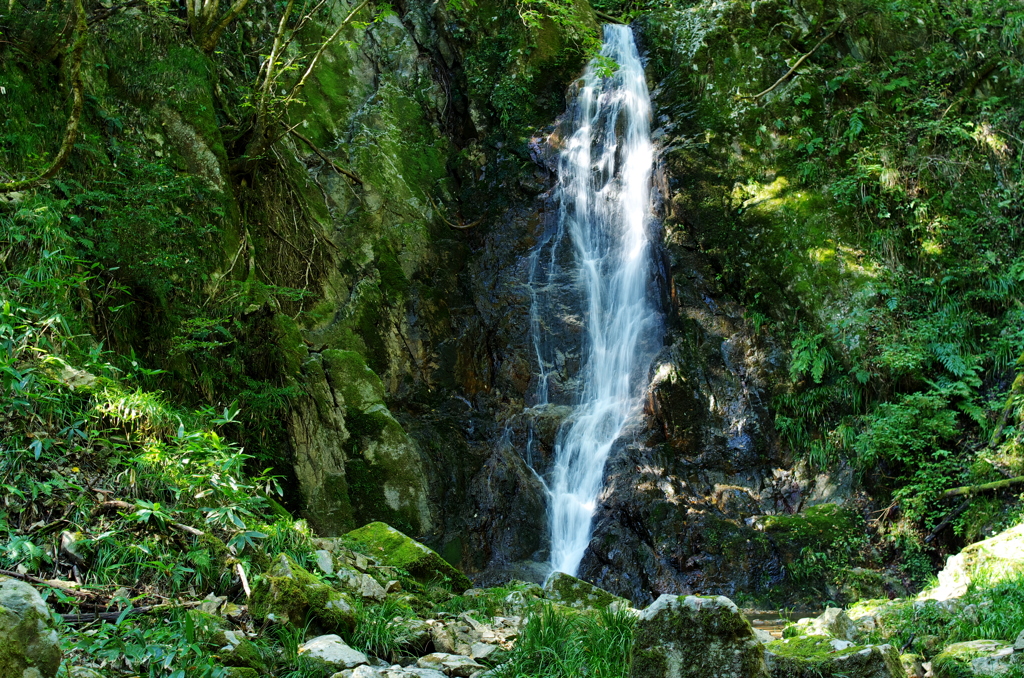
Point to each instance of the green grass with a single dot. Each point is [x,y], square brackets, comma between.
[998,614]
[560,643]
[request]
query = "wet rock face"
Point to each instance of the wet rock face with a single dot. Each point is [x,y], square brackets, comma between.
[680,491]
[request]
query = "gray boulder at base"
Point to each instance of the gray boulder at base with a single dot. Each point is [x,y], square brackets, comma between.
[977,658]
[821,657]
[833,622]
[29,646]
[569,590]
[695,637]
[331,652]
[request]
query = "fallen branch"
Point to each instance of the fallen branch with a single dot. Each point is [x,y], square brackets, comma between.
[114,616]
[112,506]
[947,520]
[796,65]
[66,587]
[460,226]
[189,529]
[340,170]
[987,487]
[608,17]
[78,102]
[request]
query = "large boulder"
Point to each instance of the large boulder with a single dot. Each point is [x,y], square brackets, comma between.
[998,557]
[287,592]
[833,622]
[391,547]
[695,637]
[332,653]
[821,657]
[29,646]
[572,592]
[977,658]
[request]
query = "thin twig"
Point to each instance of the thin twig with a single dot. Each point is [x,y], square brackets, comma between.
[340,170]
[792,70]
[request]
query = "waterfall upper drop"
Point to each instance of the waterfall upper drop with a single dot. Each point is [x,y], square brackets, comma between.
[605,210]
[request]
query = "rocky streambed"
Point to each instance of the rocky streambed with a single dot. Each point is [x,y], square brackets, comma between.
[377,604]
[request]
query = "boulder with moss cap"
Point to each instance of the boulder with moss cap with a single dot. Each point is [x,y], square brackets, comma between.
[821,657]
[572,592]
[286,592]
[391,547]
[695,637]
[977,658]
[29,646]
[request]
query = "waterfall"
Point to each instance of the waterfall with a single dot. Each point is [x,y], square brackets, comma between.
[604,192]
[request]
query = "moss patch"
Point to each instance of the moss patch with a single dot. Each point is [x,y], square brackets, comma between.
[815,657]
[393,548]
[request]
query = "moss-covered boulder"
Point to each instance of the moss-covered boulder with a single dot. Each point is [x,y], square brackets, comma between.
[29,645]
[568,590]
[241,672]
[392,548]
[977,658]
[821,657]
[833,623]
[998,557]
[695,637]
[286,592]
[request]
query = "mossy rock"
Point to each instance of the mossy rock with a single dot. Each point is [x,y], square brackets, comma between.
[820,657]
[244,655]
[695,637]
[977,658]
[392,548]
[29,645]
[569,590]
[289,593]
[241,672]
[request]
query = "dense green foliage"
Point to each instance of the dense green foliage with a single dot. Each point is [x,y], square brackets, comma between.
[867,212]
[560,643]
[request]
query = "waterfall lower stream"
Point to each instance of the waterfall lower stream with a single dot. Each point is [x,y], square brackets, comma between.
[604,192]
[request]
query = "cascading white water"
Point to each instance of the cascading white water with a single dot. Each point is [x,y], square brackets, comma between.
[604,180]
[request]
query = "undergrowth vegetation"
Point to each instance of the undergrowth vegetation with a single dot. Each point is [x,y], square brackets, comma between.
[865,208]
[561,643]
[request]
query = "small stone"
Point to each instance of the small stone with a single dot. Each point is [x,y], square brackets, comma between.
[840,645]
[360,562]
[325,561]
[369,588]
[332,651]
[231,610]
[1018,645]
[763,636]
[481,650]
[211,604]
[455,665]
[393,586]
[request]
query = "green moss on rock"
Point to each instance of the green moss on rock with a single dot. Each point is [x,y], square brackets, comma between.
[695,637]
[977,657]
[820,657]
[289,593]
[27,638]
[576,593]
[391,547]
